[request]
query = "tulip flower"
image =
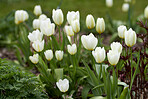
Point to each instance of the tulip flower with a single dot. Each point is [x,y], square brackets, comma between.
[38,45]
[48,54]
[42,17]
[146,12]
[109,3]
[37,10]
[100,25]
[57,16]
[35,35]
[113,57]
[36,24]
[47,28]
[99,54]
[117,47]
[89,42]
[71,16]
[69,39]
[75,26]
[34,59]
[59,55]
[69,31]
[90,22]
[63,85]
[130,38]
[21,16]
[121,31]
[72,49]
[125,7]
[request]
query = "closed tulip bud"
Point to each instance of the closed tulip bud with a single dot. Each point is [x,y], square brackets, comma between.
[69,39]
[116,46]
[127,0]
[146,12]
[59,55]
[42,17]
[63,85]
[113,57]
[38,45]
[130,38]
[35,35]
[75,26]
[100,25]
[21,16]
[69,31]
[71,16]
[36,24]
[90,22]
[47,28]
[48,54]
[121,31]
[89,42]
[34,59]
[57,16]
[37,10]
[125,7]
[72,49]
[109,3]
[99,54]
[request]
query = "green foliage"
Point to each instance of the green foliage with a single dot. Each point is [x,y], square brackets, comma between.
[16,83]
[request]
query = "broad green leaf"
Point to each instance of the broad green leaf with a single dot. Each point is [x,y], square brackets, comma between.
[58,73]
[124,93]
[85,91]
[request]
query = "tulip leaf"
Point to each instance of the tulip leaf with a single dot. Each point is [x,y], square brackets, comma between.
[98,68]
[58,73]
[124,93]
[85,91]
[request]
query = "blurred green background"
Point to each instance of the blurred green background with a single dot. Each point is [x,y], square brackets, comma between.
[95,7]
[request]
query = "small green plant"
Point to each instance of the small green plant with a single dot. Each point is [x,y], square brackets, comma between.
[15,83]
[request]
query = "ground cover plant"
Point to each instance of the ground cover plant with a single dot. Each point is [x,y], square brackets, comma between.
[71,64]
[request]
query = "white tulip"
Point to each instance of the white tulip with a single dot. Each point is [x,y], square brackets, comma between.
[63,85]
[75,26]
[57,16]
[72,49]
[89,42]
[69,39]
[113,57]
[130,38]
[36,24]
[146,12]
[125,7]
[38,45]
[59,55]
[121,31]
[47,28]
[69,31]
[99,54]
[48,54]
[42,17]
[117,47]
[109,3]
[71,16]
[90,22]
[35,35]
[100,25]
[34,59]
[37,10]
[21,16]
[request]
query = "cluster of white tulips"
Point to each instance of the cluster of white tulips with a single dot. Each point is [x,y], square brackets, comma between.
[43,27]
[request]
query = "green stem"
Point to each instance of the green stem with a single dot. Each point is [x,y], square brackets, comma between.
[59,35]
[131,62]
[93,61]
[99,40]
[117,82]
[100,71]
[74,65]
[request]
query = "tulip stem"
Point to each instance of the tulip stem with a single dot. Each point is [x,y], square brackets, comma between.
[100,71]
[131,63]
[59,35]
[93,61]
[99,40]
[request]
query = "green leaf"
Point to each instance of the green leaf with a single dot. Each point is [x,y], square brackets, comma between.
[58,73]
[124,93]
[85,91]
